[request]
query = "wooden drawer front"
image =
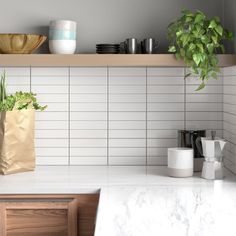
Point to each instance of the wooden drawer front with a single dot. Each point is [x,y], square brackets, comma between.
[36,218]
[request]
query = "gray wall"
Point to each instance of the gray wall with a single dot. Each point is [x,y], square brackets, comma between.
[104,20]
[230,21]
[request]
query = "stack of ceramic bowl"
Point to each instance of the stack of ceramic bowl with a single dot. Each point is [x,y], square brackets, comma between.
[62,37]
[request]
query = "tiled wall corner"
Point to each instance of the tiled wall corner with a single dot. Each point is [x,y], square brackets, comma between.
[204,108]
[229,122]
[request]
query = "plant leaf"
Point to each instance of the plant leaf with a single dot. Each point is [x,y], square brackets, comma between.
[201,86]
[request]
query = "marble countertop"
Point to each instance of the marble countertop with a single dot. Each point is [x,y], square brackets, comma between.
[139,201]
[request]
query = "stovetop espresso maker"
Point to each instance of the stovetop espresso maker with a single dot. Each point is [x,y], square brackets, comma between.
[212,149]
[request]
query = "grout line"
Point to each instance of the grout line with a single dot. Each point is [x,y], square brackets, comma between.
[30,79]
[185,100]
[69,144]
[108,115]
[146,118]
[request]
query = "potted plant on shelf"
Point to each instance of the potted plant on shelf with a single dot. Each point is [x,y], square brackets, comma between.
[196,39]
[17,117]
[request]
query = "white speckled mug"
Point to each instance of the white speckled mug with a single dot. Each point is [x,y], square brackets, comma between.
[180,162]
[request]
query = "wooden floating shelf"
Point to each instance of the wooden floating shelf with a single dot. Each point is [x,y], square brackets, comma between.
[158,60]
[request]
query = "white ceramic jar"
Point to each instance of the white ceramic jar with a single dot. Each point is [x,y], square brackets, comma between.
[180,162]
[62,37]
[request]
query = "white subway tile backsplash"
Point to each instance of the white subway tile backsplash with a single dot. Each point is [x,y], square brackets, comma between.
[122,115]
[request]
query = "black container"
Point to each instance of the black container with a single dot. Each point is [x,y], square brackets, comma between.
[187,138]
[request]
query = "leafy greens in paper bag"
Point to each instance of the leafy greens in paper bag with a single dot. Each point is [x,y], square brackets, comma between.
[17,101]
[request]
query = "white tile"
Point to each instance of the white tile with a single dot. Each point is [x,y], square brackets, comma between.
[50,80]
[165,124]
[141,98]
[127,71]
[51,125]
[127,125]
[204,125]
[204,98]
[230,80]
[88,116]
[119,116]
[88,98]
[88,89]
[127,143]
[211,107]
[84,107]
[17,88]
[89,125]
[123,161]
[162,143]
[43,142]
[88,160]
[154,106]
[88,143]
[204,116]
[211,89]
[165,71]
[162,134]
[21,80]
[51,89]
[228,71]
[16,71]
[127,134]
[51,151]
[88,71]
[156,152]
[123,151]
[60,106]
[127,80]
[157,161]
[230,108]
[50,98]
[52,116]
[230,89]
[165,98]
[127,107]
[86,134]
[88,80]
[230,99]
[51,134]
[83,152]
[196,81]
[159,89]
[59,160]
[130,89]
[50,71]
[229,136]
[165,116]
[230,118]
[165,80]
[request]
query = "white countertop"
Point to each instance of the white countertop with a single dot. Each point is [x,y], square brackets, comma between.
[139,201]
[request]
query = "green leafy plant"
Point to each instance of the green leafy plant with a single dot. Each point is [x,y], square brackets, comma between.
[196,39]
[17,101]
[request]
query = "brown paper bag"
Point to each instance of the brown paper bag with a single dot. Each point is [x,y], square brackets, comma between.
[17,152]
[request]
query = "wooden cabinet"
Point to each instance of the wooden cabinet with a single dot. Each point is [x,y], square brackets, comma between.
[48,215]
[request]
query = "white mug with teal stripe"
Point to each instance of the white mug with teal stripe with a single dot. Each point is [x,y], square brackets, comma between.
[62,37]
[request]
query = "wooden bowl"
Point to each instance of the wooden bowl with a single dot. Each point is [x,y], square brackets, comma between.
[20,43]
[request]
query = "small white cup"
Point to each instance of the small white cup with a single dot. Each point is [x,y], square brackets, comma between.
[180,162]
